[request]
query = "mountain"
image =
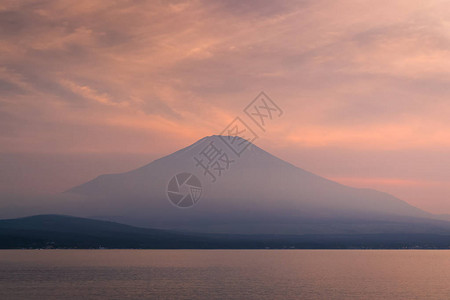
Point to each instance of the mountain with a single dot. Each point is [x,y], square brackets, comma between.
[58,231]
[257,193]
[67,232]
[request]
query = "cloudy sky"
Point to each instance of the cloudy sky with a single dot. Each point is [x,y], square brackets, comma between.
[91,87]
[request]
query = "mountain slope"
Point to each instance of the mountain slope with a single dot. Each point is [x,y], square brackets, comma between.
[259,193]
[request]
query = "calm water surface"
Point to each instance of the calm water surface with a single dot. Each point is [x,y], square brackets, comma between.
[224,274]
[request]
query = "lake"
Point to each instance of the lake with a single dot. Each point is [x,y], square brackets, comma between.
[224,274]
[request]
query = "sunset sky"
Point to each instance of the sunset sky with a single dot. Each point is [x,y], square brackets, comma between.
[92,87]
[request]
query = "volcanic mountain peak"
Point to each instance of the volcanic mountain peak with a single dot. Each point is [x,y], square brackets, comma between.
[237,184]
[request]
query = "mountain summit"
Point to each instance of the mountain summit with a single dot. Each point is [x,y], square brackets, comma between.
[227,184]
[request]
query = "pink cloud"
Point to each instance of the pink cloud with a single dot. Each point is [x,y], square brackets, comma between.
[86,76]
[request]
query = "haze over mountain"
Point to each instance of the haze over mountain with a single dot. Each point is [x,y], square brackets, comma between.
[259,193]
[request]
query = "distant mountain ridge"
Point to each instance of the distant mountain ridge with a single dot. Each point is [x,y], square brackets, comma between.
[67,232]
[259,193]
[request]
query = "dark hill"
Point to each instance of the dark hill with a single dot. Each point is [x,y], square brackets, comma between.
[56,231]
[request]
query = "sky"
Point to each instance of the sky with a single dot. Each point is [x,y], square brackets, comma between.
[92,87]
